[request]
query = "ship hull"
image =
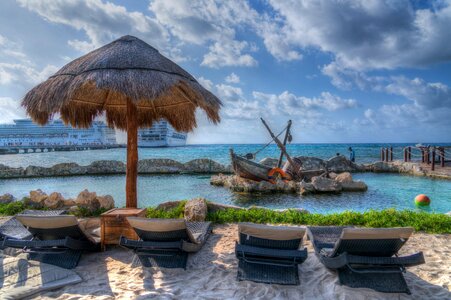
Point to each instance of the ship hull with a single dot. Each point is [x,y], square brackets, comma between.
[249,169]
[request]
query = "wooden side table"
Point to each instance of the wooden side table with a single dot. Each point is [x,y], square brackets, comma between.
[113,224]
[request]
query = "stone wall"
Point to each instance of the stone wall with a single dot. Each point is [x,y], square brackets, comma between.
[109,167]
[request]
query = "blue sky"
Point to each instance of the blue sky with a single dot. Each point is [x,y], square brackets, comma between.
[343,71]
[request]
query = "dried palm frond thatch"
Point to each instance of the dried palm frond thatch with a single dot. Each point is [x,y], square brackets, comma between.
[133,84]
[104,79]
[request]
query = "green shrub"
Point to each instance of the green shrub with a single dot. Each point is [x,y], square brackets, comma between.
[12,208]
[421,221]
[173,213]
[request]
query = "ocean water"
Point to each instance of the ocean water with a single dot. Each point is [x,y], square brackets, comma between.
[364,153]
[384,191]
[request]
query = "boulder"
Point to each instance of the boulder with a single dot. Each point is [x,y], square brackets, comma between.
[332,175]
[354,186]
[269,161]
[213,207]
[168,205]
[344,177]
[339,164]
[6,198]
[38,196]
[106,202]
[8,172]
[205,165]
[106,167]
[196,210]
[306,188]
[69,202]
[37,171]
[54,201]
[65,169]
[326,185]
[265,187]
[167,166]
[88,200]
[301,210]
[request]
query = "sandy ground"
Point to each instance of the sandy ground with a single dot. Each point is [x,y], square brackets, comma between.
[211,274]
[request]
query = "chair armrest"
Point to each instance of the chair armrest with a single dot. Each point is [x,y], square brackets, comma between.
[297,256]
[151,245]
[406,261]
[36,244]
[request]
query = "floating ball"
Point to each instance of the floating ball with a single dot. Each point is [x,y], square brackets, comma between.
[422,200]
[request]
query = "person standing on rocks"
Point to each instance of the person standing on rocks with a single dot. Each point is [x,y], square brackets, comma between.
[351,154]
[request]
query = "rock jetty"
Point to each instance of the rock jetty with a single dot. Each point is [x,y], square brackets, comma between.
[111,167]
[319,184]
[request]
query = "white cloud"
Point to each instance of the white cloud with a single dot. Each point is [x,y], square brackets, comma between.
[228,92]
[290,104]
[206,83]
[365,35]
[232,78]
[228,53]
[10,110]
[100,21]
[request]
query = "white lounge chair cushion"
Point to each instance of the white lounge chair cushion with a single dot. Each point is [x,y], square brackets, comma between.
[47,222]
[270,232]
[376,233]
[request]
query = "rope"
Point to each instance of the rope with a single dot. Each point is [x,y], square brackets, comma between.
[255,153]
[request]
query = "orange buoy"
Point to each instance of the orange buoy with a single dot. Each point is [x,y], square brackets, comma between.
[275,173]
[422,200]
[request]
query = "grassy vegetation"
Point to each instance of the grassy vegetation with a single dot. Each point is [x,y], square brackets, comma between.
[421,221]
[173,213]
[12,208]
[17,207]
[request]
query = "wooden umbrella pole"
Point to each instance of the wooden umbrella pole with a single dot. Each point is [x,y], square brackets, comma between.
[132,155]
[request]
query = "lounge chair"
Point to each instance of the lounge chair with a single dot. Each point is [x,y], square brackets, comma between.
[366,257]
[166,242]
[270,254]
[57,240]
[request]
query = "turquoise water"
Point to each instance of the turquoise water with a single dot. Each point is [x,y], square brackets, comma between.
[364,153]
[385,191]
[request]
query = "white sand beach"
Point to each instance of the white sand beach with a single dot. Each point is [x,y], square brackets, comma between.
[211,274]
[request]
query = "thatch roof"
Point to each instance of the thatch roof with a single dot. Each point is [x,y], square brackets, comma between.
[104,79]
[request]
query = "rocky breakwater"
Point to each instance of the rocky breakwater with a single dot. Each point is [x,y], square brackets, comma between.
[197,209]
[86,201]
[110,167]
[333,183]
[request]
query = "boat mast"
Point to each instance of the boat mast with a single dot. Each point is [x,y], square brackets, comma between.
[287,133]
[294,165]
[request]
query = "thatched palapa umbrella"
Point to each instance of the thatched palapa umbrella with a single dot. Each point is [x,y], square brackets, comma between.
[133,84]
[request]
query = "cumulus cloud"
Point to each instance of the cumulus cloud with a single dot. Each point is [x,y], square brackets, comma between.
[290,104]
[228,54]
[228,92]
[10,110]
[364,35]
[232,78]
[100,21]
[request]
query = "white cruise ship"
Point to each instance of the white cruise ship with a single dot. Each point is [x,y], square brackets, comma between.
[26,135]
[161,134]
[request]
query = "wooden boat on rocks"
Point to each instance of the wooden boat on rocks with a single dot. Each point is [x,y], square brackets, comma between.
[244,167]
